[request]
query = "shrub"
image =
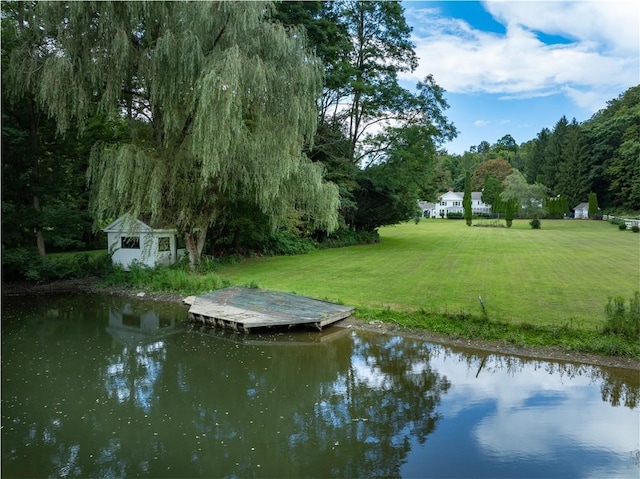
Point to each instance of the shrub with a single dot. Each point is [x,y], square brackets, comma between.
[622,227]
[287,243]
[535,224]
[24,264]
[635,228]
[349,237]
[454,215]
[622,321]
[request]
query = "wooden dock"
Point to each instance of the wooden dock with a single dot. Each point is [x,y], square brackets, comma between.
[243,309]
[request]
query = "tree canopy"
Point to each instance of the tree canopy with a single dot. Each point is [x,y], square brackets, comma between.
[220,102]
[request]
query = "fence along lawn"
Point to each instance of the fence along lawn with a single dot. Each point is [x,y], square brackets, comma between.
[561,274]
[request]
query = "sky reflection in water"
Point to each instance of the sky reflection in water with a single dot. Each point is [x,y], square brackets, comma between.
[103,387]
[522,417]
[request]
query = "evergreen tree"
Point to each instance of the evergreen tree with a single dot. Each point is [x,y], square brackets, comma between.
[219,99]
[509,206]
[573,172]
[466,201]
[553,155]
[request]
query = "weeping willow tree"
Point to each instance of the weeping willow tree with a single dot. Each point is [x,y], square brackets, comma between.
[220,102]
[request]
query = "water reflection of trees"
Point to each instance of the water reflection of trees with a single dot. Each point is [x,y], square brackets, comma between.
[347,408]
[83,400]
[618,386]
[80,402]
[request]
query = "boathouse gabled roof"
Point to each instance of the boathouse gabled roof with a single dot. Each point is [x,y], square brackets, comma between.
[126,223]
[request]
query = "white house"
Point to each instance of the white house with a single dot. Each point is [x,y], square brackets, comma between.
[581,211]
[132,240]
[451,201]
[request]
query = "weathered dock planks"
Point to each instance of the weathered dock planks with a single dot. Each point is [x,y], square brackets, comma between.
[242,309]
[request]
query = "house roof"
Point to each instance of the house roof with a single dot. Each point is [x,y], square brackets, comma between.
[582,206]
[129,224]
[459,195]
[426,205]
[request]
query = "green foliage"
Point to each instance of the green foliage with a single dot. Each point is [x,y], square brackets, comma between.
[282,243]
[535,224]
[192,150]
[497,168]
[349,237]
[530,197]
[27,264]
[165,279]
[380,49]
[613,144]
[622,321]
[635,228]
[593,205]
[491,192]
[557,207]
[508,212]
[479,326]
[455,215]
[622,226]
[384,197]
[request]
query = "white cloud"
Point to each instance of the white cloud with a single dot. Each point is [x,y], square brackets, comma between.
[601,61]
[613,25]
[481,123]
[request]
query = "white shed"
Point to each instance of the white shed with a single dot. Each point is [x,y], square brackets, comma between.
[132,240]
[581,211]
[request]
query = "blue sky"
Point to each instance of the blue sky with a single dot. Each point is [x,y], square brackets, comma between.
[515,67]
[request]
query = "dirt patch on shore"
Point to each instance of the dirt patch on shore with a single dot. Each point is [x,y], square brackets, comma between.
[90,285]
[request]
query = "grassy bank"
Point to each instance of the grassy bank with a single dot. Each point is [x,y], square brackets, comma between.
[562,274]
[525,287]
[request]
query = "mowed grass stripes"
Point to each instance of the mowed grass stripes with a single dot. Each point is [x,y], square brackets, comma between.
[561,274]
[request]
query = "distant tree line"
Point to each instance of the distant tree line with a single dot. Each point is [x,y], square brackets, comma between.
[600,156]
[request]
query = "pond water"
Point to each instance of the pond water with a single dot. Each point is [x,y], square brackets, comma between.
[97,386]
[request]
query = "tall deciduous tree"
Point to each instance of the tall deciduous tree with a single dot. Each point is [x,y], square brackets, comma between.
[369,95]
[531,197]
[220,102]
[498,168]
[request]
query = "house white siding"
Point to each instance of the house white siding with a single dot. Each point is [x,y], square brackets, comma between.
[451,201]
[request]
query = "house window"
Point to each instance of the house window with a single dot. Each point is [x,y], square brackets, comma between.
[164,243]
[444,203]
[130,242]
[456,203]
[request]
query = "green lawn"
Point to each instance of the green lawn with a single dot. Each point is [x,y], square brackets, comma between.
[561,274]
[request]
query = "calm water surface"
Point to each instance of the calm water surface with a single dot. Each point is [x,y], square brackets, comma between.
[106,387]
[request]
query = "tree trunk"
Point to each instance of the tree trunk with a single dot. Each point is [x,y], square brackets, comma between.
[34,143]
[194,243]
[38,229]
